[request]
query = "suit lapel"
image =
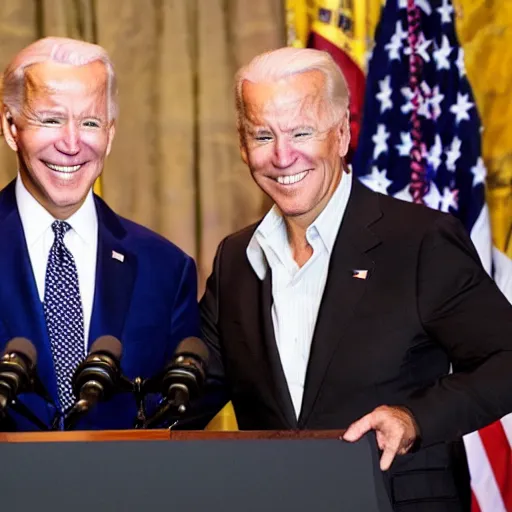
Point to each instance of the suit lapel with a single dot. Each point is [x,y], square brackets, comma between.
[20,306]
[342,291]
[255,304]
[281,388]
[116,269]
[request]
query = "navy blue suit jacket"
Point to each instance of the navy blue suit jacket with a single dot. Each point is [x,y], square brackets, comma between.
[148,301]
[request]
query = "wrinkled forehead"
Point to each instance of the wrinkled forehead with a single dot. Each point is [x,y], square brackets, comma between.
[53,78]
[297,97]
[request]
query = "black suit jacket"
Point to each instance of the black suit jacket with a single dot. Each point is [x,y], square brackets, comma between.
[388,339]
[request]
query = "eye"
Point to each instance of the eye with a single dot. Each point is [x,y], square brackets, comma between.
[51,121]
[91,123]
[263,138]
[302,133]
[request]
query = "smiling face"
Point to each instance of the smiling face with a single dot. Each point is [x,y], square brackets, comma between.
[292,143]
[62,133]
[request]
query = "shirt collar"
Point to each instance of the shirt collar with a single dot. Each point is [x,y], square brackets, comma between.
[36,219]
[327,225]
[328,222]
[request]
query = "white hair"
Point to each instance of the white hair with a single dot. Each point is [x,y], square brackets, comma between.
[284,62]
[63,51]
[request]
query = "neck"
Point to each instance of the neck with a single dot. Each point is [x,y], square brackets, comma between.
[301,250]
[297,226]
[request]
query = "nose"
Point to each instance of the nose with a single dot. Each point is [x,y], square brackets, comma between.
[284,154]
[69,142]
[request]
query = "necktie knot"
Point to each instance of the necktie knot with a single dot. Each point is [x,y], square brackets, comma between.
[60,228]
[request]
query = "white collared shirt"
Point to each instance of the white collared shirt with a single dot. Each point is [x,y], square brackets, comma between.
[81,240]
[297,292]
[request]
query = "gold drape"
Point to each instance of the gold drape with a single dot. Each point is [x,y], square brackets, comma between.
[175,165]
[485,31]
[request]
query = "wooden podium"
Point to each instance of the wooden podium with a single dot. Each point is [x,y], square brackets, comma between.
[144,470]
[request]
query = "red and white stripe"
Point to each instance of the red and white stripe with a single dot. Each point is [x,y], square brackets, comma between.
[490,463]
[489,450]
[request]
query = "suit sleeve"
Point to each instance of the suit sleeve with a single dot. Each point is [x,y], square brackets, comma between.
[185,311]
[462,309]
[209,309]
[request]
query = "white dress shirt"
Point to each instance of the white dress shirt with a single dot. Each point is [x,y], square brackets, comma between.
[297,292]
[81,240]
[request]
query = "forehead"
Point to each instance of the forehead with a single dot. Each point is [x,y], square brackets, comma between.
[303,95]
[53,78]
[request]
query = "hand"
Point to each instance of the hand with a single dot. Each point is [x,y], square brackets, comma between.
[396,431]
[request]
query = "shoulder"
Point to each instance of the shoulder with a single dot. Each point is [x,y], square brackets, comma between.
[144,239]
[141,240]
[239,240]
[399,216]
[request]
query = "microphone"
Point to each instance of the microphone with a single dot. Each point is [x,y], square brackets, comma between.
[17,366]
[96,378]
[182,379]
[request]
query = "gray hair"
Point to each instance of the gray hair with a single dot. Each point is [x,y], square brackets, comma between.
[284,62]
[61,50]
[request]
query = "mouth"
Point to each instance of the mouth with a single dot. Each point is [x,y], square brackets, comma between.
[65,169]
[291,179]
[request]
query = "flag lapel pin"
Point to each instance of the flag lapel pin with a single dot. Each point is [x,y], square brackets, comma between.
[360,274]
[118,256]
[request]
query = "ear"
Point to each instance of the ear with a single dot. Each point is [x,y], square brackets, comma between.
[344,134]
[9,129]
[243,147]
[243,154]
[111,134]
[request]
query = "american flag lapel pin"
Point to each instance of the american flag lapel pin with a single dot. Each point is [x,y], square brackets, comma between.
[360,274]
[117,256]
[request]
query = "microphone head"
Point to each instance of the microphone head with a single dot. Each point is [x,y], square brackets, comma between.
[100,369]
[17,365]
[187,368]
[108,344]
[193,347]
[23,347]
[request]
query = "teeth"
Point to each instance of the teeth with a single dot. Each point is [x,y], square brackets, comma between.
[294,178]
[62,168]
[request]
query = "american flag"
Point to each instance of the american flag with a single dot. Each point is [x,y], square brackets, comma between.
[420,141]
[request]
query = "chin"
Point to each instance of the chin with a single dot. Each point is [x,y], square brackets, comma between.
[293,210]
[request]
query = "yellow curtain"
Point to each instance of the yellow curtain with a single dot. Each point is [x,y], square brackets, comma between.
[485,31]
[175,164]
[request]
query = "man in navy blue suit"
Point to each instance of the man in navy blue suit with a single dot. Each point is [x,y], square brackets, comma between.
[71,269]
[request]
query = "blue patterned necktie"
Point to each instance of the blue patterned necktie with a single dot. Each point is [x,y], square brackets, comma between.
[63,312]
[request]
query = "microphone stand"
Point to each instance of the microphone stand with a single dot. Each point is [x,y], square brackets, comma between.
[75,413]
[140,419]
[179,401]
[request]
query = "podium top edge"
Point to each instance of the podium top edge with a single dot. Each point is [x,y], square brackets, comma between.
[165,435]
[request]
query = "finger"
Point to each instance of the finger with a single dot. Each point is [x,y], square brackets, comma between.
[359,428]
[387,457]
[381,439]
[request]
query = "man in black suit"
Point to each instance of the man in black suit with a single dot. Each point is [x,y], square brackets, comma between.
[344,308]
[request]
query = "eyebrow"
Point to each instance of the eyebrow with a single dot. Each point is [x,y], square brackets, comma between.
[62,112]
[49,111]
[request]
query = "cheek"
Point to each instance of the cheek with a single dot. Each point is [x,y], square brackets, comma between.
[32,143]
[95,143]
[306,154]
[260,158]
